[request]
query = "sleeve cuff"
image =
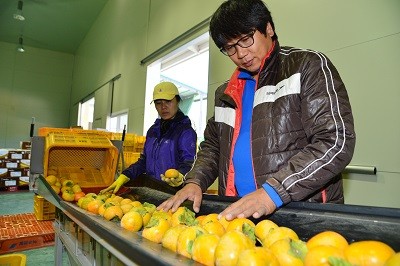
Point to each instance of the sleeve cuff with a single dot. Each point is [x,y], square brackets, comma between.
[273,195]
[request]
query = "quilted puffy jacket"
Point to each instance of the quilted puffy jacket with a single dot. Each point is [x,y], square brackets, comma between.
[174,149]
[302,129]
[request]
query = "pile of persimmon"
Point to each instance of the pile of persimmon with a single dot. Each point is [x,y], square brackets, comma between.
[212,241]
[66,188]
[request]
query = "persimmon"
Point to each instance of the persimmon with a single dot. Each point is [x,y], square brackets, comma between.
[229,247]
[171,173]
[200,219]
[68,195]
[186,238]
[113,213]
[143,212]
[91,195]
[214,227]
[183,216]
[79,195]
[136,203]
[330,238]
[289,252]
[103,207]
[94,206]
[150,207]
[125,201]
[163,214]
[51,179]
[170,237]
[393,260]
[76,188]
[203,248]
[155,229]
[115,199]
[263,228]
[368,252]
[320,255]
[68,183]
[244,225]
[257,256]
[56,189]
[132,221]
[85,202]
[212,217]
[224,222]
[278,233]
[126,208]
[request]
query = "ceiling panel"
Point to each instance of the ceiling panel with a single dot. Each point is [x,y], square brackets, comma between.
[58,25]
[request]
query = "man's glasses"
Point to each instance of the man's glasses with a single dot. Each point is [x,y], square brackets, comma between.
[244,42]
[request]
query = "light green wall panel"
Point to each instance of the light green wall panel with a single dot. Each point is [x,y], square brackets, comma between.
[169,19]
[381,190]
[37,84]
[115,45]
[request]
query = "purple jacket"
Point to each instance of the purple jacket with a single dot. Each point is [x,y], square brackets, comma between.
[176,148]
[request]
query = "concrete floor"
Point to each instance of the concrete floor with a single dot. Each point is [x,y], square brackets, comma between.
[22,202]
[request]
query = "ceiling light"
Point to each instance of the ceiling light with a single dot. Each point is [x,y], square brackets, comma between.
[20,47]
[18,15]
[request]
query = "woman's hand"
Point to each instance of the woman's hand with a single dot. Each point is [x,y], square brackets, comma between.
[188,192]
[255,204]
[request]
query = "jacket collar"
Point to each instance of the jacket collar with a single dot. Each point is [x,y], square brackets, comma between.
[234,89]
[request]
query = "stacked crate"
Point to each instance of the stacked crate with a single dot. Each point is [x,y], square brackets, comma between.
[43,209]
[132,147]
[14,169]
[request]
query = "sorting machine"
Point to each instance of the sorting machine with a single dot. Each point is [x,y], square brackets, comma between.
[89,239]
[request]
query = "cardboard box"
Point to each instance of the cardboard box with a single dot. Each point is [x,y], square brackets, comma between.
[9,182]
[19,154]
[25,145]
[9,164]
[14,172]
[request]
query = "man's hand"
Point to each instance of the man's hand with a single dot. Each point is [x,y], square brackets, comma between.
[188,192]
[121,180]
[172,177]
[255,204]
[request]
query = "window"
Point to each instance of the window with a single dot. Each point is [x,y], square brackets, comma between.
[116,123]
[85,115]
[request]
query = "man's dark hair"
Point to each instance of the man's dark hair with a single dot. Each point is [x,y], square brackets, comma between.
[234,18]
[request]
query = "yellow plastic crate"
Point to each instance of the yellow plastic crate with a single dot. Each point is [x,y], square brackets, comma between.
[88,159]
[129,158]
[132,142]
[43,209]
[13,260]
[44,131]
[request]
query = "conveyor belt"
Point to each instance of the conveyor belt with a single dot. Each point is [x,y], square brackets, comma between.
[307,219]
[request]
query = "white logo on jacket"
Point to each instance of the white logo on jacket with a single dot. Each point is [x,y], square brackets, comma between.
[265,94]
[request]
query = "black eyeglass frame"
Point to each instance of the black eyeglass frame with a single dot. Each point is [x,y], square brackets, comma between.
[247,37]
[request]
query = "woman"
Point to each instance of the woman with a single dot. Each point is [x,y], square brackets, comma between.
[170,142]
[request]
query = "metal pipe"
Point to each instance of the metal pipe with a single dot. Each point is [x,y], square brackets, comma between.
[361,169]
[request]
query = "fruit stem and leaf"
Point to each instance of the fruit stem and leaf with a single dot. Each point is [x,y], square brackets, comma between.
[335,261]
[190,243]
[153,222]
[149,206]
[188,217]
[298,249]
[248,230]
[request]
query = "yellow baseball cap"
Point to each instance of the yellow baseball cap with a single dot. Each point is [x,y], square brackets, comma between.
[165,91]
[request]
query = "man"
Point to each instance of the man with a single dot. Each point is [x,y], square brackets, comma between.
[282,129]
